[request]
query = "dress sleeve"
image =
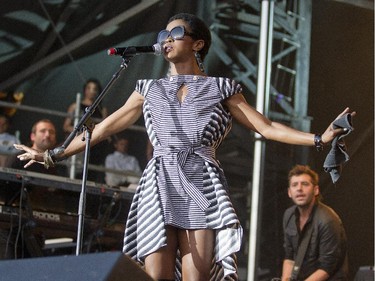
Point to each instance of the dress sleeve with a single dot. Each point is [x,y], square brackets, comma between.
[142,86]
[228,87]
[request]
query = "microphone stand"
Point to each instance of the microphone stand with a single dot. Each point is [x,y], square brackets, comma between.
[86,125]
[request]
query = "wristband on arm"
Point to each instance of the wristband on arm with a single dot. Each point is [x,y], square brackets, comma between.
[318,142]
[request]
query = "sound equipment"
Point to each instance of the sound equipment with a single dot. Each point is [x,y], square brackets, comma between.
[48,211]
[63,183]
[365,273]
[107,266]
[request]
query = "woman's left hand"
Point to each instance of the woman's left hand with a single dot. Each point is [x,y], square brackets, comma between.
[330,133]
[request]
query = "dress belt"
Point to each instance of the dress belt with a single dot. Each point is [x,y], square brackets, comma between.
[207,153]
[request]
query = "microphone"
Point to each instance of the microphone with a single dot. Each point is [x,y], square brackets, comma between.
[132,51]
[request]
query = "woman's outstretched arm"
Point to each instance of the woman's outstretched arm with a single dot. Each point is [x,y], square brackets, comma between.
[114,123]
[255,121]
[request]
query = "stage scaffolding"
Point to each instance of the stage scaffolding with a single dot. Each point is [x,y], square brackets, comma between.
[283,96]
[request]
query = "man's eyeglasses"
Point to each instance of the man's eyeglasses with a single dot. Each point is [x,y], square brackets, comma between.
[176,33]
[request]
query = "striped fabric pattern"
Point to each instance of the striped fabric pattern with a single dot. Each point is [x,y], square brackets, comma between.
[183,185]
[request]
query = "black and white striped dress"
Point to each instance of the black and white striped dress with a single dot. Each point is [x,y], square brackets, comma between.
[183,184]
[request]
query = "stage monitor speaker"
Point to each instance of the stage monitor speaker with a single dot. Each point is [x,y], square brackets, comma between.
[365,273]
[107,266]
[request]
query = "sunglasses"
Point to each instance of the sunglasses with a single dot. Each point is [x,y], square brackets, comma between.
[177,33]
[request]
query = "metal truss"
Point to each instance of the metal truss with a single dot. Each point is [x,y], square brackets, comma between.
[73,41]
[235,32]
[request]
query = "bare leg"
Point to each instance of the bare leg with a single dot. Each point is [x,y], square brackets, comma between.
[161,264]
[197,248]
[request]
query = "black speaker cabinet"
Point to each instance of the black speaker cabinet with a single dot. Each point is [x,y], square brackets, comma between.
[365,273]
[108,266]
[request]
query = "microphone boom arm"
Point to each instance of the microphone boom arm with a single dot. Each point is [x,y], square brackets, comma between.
[89,111]
[86,124]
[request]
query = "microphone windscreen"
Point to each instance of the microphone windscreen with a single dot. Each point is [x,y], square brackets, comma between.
[111,52]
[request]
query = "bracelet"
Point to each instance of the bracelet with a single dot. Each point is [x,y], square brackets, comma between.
[318,142]
[53,156]
[57,152]
[47,158]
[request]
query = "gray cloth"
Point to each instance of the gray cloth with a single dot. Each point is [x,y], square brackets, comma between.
[338,155]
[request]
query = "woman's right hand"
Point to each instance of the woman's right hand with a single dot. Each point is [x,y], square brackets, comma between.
[31,155]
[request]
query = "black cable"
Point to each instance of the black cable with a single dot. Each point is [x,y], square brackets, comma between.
[19,219]
[9,235]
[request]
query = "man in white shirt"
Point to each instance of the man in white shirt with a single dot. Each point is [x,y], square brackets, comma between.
[123,162]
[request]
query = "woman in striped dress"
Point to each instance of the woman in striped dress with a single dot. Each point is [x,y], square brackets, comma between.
[182,224]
